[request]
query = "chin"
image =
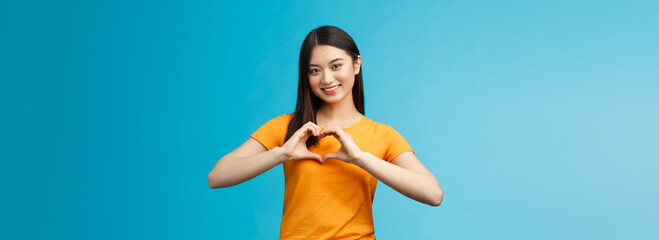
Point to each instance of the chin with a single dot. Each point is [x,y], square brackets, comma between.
[333,99]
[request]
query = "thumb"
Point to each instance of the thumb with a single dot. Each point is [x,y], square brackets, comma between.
[333,155]
[314,156]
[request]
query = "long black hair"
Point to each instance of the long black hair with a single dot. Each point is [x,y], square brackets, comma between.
[307,102]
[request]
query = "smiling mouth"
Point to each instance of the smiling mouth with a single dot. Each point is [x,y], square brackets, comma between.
[331,90]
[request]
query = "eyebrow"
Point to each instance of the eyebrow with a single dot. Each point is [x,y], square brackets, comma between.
[337,59]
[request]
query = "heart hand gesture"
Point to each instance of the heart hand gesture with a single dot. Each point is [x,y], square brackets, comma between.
[296,146]
[349,151]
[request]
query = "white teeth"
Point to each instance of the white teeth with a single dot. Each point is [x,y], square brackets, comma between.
[330,89]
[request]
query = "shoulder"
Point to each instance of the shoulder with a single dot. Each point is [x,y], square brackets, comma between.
[273,132]
[394,141]
[286,117]
[279,121]
[379,127]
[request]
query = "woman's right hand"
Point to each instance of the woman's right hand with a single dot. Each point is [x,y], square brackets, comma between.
[296,146]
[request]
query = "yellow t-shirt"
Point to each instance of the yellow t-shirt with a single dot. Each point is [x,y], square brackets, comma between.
[331,200]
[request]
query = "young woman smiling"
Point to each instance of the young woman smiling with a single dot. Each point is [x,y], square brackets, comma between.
[333,155]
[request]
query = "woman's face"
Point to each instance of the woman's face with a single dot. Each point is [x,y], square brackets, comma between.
[332,73]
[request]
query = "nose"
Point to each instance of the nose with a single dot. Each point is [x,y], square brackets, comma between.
[327,78]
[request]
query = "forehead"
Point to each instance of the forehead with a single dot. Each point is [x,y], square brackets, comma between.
[323,54]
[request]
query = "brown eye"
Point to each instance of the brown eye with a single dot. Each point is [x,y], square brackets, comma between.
[314,70]
[335,66]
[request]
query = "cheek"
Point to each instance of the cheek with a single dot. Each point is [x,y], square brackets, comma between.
[347,77]
[314,81]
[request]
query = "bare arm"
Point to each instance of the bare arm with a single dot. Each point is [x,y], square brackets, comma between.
[246,162]
[405,174]
[251,158]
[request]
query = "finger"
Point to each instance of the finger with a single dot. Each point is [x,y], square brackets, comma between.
[314,156]
[328,130]
[312,130]
[326,133]
[319,158]
[318,130]
[315,129]
[342,134]
[328,156]
[322,133]
[301,130]
[334,131]
[309,125]
[304,132]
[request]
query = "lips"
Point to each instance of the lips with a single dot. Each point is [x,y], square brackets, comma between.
[332,89]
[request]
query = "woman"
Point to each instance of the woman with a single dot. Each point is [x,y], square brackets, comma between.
[332,154]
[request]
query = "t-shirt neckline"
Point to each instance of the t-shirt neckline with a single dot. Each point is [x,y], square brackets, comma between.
[353,125]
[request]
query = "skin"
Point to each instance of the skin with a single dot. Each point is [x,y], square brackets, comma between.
[330,66]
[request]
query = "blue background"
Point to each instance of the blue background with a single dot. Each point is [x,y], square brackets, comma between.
[539,119]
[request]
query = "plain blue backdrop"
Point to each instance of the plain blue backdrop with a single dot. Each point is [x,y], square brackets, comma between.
[539,119]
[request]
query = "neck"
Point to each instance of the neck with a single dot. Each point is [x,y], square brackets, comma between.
[339,111]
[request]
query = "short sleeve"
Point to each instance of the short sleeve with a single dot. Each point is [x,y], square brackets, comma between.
[272,133]
[396,145]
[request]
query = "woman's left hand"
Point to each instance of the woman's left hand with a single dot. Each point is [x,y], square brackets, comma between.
[349,151]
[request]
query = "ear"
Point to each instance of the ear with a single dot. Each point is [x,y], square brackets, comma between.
[357,64]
